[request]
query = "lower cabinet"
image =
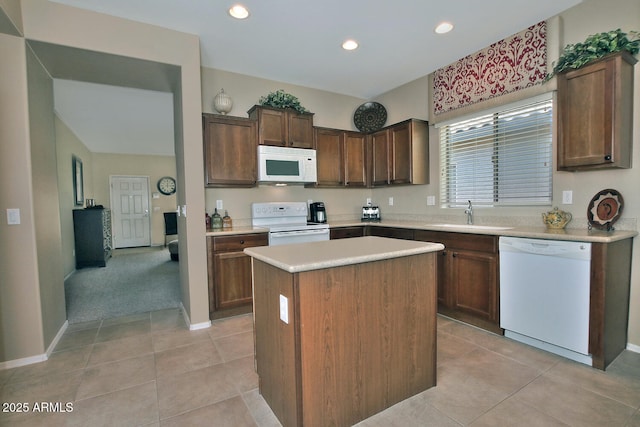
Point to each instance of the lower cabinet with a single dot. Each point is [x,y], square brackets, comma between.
[468,277]
[394,233]
[346,232]
[229,271]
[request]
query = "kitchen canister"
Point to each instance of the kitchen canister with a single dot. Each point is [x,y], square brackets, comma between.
[222,102]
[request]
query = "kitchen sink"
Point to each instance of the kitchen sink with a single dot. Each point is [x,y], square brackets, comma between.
[471,227]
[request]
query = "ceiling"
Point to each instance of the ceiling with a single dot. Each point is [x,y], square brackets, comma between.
[297,42]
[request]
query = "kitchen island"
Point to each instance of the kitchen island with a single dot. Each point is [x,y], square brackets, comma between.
[344,328]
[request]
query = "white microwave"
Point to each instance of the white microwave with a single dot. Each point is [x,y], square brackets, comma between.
[286,165]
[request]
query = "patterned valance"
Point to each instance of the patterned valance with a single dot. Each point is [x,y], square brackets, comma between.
[512,64]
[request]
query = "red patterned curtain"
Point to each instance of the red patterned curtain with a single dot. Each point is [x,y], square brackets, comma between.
[509,65]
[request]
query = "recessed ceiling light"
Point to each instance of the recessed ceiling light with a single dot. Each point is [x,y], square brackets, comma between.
[238,11]
[350,44]
[444,27]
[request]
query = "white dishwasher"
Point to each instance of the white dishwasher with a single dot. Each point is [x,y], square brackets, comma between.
[544,294]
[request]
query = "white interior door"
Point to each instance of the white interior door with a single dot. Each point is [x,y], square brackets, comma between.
[130,211]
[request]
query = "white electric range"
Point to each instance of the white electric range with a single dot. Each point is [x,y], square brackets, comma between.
[287,223]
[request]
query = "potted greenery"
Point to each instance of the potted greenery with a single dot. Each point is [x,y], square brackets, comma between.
[281,99]
[595,47]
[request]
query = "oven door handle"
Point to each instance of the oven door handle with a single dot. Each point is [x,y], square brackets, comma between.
[277,234]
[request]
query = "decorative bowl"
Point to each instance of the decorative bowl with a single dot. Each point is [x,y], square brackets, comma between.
[556,219]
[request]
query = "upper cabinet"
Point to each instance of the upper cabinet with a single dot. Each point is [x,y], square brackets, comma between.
[400,154]
[595,111]
[283,128]
[341,157]
[229,151]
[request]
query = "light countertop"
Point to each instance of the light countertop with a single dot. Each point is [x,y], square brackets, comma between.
[300,257]
[539,232]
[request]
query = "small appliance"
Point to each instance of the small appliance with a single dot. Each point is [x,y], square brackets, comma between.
[318,212]
[286,165]
[370,213]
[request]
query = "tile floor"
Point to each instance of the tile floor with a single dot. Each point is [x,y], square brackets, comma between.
[150,370]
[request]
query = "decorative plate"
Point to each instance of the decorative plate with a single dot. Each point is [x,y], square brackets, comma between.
[605,209]
[370,117]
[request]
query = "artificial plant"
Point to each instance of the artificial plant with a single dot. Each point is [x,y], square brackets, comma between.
[281,99]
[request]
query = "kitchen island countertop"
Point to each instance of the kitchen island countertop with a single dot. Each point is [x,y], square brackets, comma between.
[334,253]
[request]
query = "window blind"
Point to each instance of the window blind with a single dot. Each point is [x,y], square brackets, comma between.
[499,158]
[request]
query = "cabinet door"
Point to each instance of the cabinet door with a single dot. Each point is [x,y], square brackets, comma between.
[380,157]
[300,133]
[400,148]
[232,280]
[473,278]
[596,115]
[272,127]
[329,152]
[346,232]
[230,157]
[355,159]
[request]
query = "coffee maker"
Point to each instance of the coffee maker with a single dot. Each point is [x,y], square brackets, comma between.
[318,212]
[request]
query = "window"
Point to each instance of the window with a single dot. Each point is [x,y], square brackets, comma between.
[499,158]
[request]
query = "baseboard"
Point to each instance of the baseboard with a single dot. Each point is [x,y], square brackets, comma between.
[194,326]
[16,363]
[633,347]
[57,338]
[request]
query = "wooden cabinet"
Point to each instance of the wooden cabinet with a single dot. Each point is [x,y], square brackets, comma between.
[355,159]
[468,287]
[329,157]
[230,145]
[229,271]
[394,233]
[283,127]
[595,111]
[346,232]
[341,158]
[400,154]
[92,236]
[379,146]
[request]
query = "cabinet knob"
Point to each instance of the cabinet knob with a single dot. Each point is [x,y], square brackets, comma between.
[242,242]
[454,255]
[444,253]
[607,157]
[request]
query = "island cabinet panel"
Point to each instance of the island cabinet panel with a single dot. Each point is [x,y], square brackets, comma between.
[360,338]
[468,279]
[230,151]
[595,110]
[229,271]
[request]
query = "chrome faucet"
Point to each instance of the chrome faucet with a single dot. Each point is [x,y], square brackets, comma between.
[469,212]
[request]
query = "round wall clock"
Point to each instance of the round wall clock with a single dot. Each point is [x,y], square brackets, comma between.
[167,185]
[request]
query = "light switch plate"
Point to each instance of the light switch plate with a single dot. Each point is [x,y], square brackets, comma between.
[390,201]
[284,309]
[13,216]
[219,204]
[431,200]
[567,197]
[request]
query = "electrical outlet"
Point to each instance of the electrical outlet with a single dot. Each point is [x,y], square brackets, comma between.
[431,200]
[368,201]
[567,197]
[284,309]
[219,204]
[390,201]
